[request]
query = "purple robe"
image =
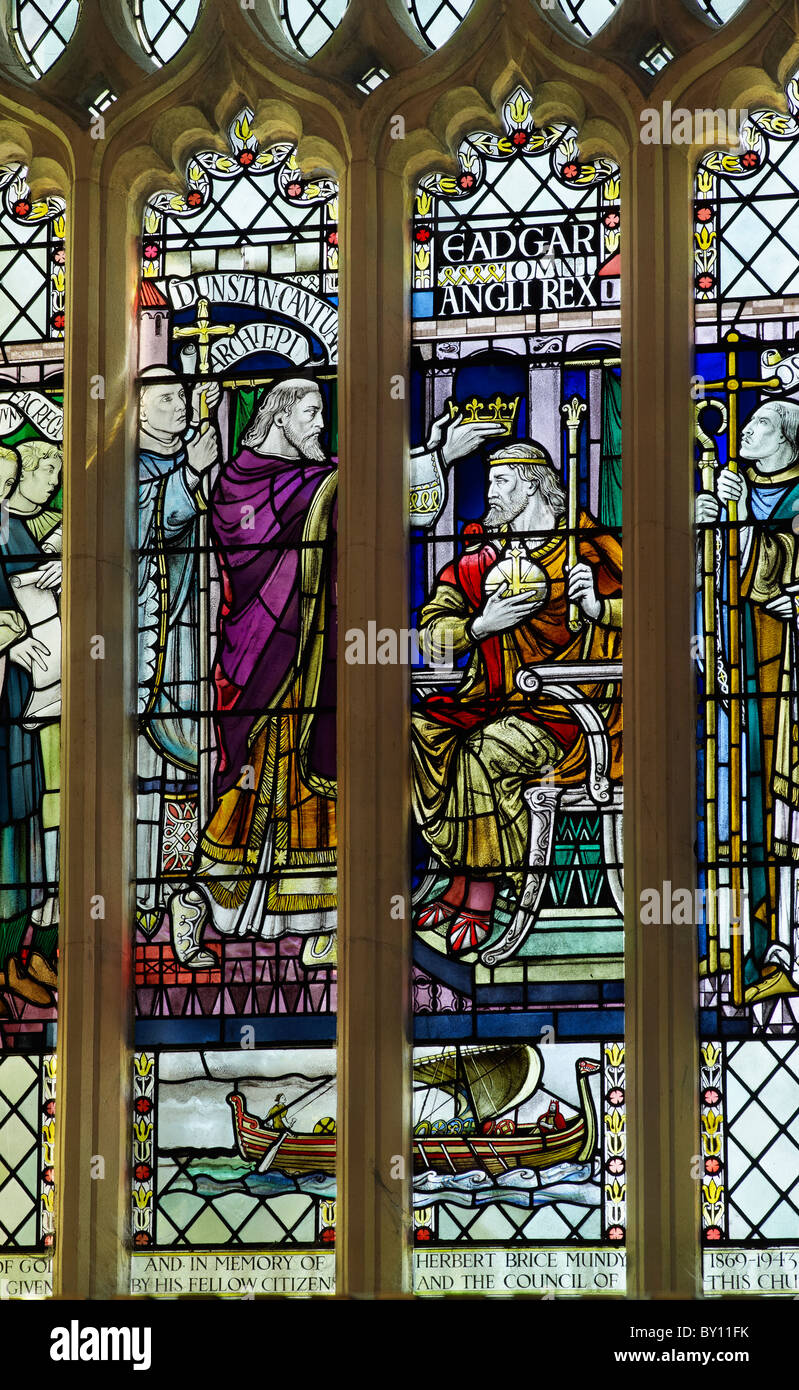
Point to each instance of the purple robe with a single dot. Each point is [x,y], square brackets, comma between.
[259,625]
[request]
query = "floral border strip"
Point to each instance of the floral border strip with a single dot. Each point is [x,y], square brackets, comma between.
[143,1149]
[47,1171]
[614,1144]
[714,1191]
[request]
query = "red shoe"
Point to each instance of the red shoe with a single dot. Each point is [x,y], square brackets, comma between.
[468,932]
[434,913]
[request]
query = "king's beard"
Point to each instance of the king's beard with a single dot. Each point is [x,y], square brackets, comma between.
[308,444]
[500,513]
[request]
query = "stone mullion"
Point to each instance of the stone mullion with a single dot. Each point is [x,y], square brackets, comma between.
[659,719]
[94,1003]
[373,746]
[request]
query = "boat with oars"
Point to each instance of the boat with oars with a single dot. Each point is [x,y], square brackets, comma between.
[487,1085]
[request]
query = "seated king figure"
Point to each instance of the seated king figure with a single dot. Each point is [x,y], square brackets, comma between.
[505,603]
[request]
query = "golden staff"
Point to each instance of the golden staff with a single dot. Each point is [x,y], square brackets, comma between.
[707,464]
[203,331]
[572,410]
[731,385]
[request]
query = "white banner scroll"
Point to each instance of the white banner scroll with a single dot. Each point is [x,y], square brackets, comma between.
[787,368]
[46,415]
[40,608]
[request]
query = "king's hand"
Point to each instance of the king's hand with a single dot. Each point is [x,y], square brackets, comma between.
[503,611]
[582,591]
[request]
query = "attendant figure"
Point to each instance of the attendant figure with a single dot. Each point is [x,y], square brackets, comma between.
[29,757]
[766,493]
[175,457]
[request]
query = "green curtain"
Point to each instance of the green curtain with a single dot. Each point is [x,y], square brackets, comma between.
[246,400]
[610,468]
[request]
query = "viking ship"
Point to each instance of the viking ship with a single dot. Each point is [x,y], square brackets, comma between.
[485,1083]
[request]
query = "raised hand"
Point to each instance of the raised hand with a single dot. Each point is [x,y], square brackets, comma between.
[708,508]
[28,653]
[502,611]
[50,576]
[582,591]
[203,451]
[731,487]
[12,626]
[462,437]
[212,391]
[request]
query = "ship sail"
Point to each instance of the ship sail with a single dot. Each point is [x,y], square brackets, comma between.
[497,1078]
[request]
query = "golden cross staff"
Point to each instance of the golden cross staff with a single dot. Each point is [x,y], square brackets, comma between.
[730,387]
[203,331]
[572,410]
[707,464]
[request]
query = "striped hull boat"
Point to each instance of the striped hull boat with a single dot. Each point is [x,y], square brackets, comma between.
[299,1155]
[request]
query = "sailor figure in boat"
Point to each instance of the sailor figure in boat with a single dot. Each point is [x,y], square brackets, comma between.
[551,1120]
[488,1084]
[278,1115]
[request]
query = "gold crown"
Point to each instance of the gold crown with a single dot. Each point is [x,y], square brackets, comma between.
[499,411]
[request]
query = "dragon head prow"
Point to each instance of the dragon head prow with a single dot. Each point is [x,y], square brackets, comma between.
[586,1066]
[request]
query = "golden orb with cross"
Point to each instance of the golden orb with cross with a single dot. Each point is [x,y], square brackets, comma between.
[521,574]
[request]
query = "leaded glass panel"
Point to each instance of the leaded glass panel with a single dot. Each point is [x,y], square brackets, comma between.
[32,291]
[517,787]
[234,1133]
[746,213]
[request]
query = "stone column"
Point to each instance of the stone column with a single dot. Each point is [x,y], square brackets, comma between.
[94,999]
[374,1063]
[660,723]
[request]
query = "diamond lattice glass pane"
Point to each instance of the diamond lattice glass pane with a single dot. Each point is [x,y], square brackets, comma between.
[42,29]
[721,10]
[588,15]
[309,23]
[165,25]
[438,19]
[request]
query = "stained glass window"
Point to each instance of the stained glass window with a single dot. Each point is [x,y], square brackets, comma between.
[233,1124]
[588,15]
[746,218]
[438,19]
[309,23]
[165,25]
[42,29]
[32,271]
[517,791]
[721,10]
